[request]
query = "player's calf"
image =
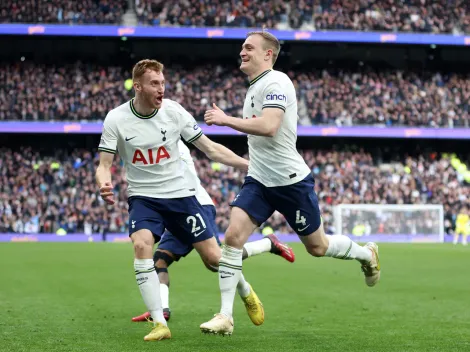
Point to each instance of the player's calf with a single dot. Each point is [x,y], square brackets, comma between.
[342,247]
[146,276]
[269,244]
[163,259]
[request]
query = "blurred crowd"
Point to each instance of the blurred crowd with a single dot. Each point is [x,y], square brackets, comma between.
[48,193]
[431,16]
[78,92]
[436,16]
[62,11]
[213,13]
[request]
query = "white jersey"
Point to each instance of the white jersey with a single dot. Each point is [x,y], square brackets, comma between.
[201,194]
[148,145]
[274,161]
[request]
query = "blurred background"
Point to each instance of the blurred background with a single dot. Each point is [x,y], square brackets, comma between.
[383,90]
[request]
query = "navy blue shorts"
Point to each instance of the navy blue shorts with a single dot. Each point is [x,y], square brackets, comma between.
[184,217]
[298,203]
[172,244]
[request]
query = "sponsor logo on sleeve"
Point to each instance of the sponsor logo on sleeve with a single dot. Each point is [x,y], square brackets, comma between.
[276,97]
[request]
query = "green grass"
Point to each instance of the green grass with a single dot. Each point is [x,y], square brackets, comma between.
[80,297]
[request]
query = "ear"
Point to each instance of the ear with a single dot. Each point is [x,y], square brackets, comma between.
[269,55]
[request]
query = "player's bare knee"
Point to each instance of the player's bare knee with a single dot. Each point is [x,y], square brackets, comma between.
[212,268]
[163,259]
[141,247]
[143,242]
[161,264]
[316,250]
[212,259]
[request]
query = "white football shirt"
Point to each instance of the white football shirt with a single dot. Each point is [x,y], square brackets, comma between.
[148,145]
[201,194]
[274,161]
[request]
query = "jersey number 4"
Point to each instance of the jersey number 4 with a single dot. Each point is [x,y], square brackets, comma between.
[193,221]
[300,219]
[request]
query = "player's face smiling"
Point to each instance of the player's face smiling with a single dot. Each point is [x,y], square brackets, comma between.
[153,88]
[252,55]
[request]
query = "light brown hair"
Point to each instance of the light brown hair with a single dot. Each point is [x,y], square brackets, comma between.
[270,42]
[143,65]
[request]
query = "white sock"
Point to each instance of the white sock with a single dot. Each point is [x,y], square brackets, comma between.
[165,295]
[149,286]
[230,270]
[243,287]
[342,247]
[257,247]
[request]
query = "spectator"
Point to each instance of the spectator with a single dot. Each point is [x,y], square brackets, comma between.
[35,197]
[79,92]
[437,16]
[62,11]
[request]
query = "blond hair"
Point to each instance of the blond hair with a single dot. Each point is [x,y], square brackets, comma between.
[270,42]
[143,65]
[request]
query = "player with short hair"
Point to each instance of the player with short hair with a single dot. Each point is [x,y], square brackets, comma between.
[171,249]
[161,189]
[278,177]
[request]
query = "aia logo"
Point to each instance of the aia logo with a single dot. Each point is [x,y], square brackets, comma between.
[150,157]
[253,117]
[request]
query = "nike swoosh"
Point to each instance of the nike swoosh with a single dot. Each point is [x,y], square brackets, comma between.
[197,234]
[128,139]
[224,277]
[303,228]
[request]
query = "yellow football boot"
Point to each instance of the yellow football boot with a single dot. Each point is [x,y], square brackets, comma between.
[159,332]
[254,307]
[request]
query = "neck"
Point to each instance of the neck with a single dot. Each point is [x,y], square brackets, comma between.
[258,72]
[141,107]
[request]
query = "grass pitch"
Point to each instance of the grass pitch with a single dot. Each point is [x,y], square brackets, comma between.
[81,296]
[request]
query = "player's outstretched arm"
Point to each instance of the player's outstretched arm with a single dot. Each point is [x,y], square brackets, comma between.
[265,125]
[219,153]
[103,177]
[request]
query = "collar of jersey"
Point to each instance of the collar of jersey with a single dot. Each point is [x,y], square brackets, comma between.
[140,116]
[261,75]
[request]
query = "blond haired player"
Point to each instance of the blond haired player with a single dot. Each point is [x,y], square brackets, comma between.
[462,226]
[278,178]
[145,131]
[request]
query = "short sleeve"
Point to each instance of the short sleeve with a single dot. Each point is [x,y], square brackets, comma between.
[274,96]
[108,142]
[189,129]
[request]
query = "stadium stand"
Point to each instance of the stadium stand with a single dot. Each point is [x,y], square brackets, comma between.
[80,91]
[42,192]
[62,11]
[212,13]
[438,16]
